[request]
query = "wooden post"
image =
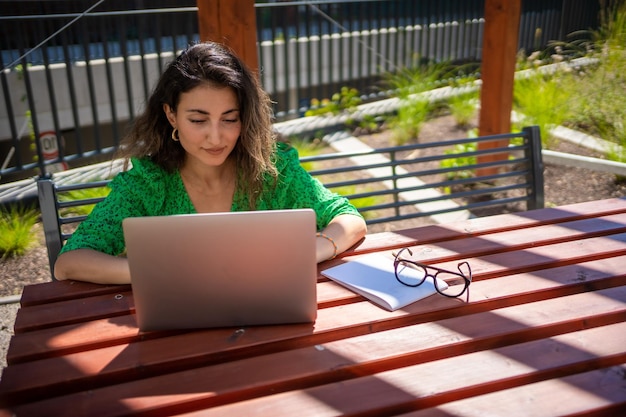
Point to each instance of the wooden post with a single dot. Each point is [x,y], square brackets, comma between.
[232,23]
[500,40]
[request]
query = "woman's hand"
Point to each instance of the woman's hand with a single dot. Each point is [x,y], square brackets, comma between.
[344,230]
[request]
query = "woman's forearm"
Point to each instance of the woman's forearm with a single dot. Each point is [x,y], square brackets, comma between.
[92,266]
[344,231]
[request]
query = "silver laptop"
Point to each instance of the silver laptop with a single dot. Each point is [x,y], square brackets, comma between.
[223,269]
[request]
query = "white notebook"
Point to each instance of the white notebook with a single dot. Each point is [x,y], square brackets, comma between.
[373,277]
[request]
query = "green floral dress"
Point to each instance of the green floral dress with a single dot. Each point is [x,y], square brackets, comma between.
[148,190]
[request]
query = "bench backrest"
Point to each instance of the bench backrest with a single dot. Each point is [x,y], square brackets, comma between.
[467,177]
[464,177]
[58,215]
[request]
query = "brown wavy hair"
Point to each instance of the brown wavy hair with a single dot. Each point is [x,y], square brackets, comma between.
[214,64]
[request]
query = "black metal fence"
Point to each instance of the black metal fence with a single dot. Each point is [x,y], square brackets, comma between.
[71,81]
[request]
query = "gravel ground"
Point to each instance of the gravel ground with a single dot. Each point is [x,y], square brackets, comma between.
[563,185]
[7,318]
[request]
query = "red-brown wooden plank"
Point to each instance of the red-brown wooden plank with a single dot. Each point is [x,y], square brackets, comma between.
[508,241]
[74,311]
[543,257]
[500,223]
[91,306]
[438,382]
[601,392]
[609,247]
[383,240]
[440,343]
[50,292]
[523,288]
[468,376]
[593,393]
[384,351]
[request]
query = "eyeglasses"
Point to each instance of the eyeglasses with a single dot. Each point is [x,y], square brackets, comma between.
[448,283]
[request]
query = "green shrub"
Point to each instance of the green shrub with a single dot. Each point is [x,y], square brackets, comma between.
[463,108]
[599,106]
[544,100]
[16,230]
[407,123]
[346,100]
[408,84]
[460,161]
[590,98]
[410,81]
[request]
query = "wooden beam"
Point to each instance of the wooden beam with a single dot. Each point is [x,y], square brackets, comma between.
[232,23]
[500,40]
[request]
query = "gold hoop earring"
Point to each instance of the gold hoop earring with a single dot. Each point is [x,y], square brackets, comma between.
[175,136]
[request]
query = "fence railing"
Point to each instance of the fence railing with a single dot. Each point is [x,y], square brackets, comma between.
[67,101]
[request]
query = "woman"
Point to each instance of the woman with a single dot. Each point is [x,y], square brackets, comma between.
[204,144]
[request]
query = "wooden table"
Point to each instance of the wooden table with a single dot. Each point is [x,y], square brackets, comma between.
[544,333]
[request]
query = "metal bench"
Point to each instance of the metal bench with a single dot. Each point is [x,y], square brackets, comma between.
[460,177]
[388,184]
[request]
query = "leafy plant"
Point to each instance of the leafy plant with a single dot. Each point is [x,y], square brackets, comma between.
[414,110]
[589,98]
[463,108]
[16,234]
[410,81]
[460,161]
[407,123]
[613,29]
[369,123]
[544,100]
[599,105]
[306,148]
[346,100]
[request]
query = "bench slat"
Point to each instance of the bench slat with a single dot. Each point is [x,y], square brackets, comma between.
[529,238]
[68,312]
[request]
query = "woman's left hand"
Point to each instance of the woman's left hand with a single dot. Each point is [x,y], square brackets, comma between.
[341,233]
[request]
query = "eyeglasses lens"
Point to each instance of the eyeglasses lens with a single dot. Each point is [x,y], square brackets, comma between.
[410,274]
[452,285]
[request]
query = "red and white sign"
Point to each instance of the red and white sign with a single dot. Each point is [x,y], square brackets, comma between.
[50,149]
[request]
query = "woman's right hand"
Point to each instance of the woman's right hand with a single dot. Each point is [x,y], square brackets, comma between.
[92,266]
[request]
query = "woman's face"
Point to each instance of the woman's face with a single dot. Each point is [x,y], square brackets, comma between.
[208,123]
